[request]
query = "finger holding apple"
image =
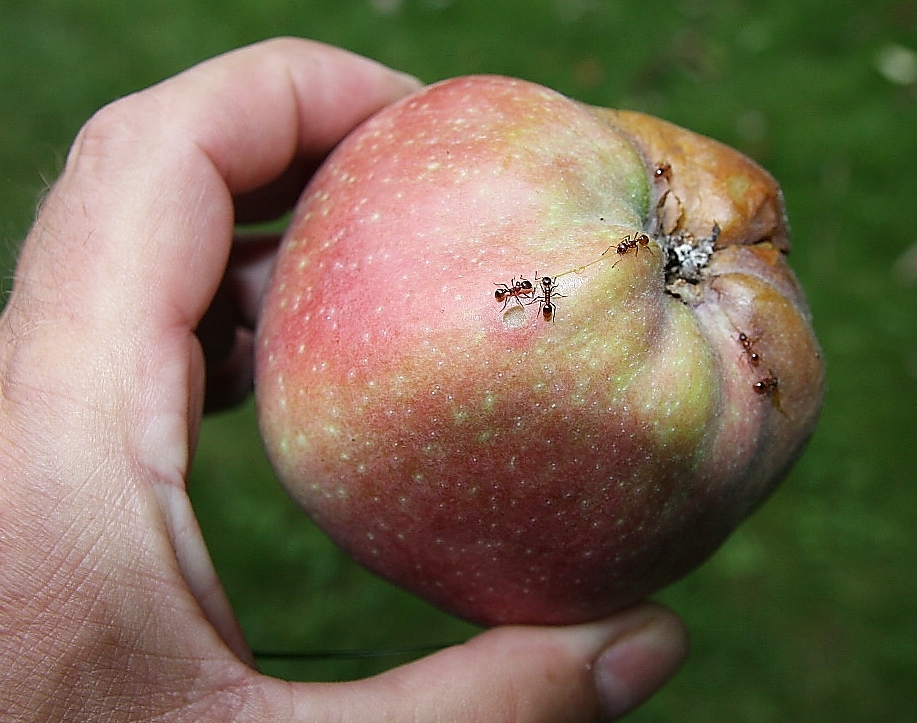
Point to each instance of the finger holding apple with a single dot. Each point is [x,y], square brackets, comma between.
[547,451]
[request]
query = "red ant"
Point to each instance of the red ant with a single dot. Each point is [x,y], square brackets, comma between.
[522,287]
[549,290]
[770,387]
[631,241]
[748,346]
[663,171]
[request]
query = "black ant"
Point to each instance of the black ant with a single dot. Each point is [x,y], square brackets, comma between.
[522,287]
[548,287]
[631,241]
[748,346]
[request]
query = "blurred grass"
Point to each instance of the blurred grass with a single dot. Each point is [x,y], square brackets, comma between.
[808,612]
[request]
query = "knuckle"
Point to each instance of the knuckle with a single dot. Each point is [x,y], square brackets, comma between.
[113,133]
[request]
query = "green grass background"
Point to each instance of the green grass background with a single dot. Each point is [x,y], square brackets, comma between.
[809,612]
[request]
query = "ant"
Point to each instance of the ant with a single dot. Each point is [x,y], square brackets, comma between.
[522,287]
[748,346]
[770,387]
[548,288]
[663,171]
[631,241]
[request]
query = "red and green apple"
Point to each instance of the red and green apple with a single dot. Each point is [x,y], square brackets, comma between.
[531,359]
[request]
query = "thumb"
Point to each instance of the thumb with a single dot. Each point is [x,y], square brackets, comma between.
[598,671]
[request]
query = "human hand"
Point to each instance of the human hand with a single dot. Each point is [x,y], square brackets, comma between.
[109,607]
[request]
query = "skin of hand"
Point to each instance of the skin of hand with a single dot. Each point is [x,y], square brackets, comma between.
[109,607]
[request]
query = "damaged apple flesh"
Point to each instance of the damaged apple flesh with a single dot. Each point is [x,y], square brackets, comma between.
[533,360]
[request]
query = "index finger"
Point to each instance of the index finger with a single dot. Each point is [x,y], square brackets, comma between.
[131,242]
[147,192]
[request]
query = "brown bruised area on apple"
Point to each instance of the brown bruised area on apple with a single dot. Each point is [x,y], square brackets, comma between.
[709,182]
[509,464]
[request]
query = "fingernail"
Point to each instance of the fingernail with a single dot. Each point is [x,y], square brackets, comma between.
[637,664]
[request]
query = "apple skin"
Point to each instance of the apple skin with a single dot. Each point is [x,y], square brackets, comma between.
[508,467]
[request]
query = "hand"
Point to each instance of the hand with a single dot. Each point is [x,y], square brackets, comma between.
[109,607]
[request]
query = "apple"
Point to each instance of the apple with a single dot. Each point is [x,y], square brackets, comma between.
[530,359]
